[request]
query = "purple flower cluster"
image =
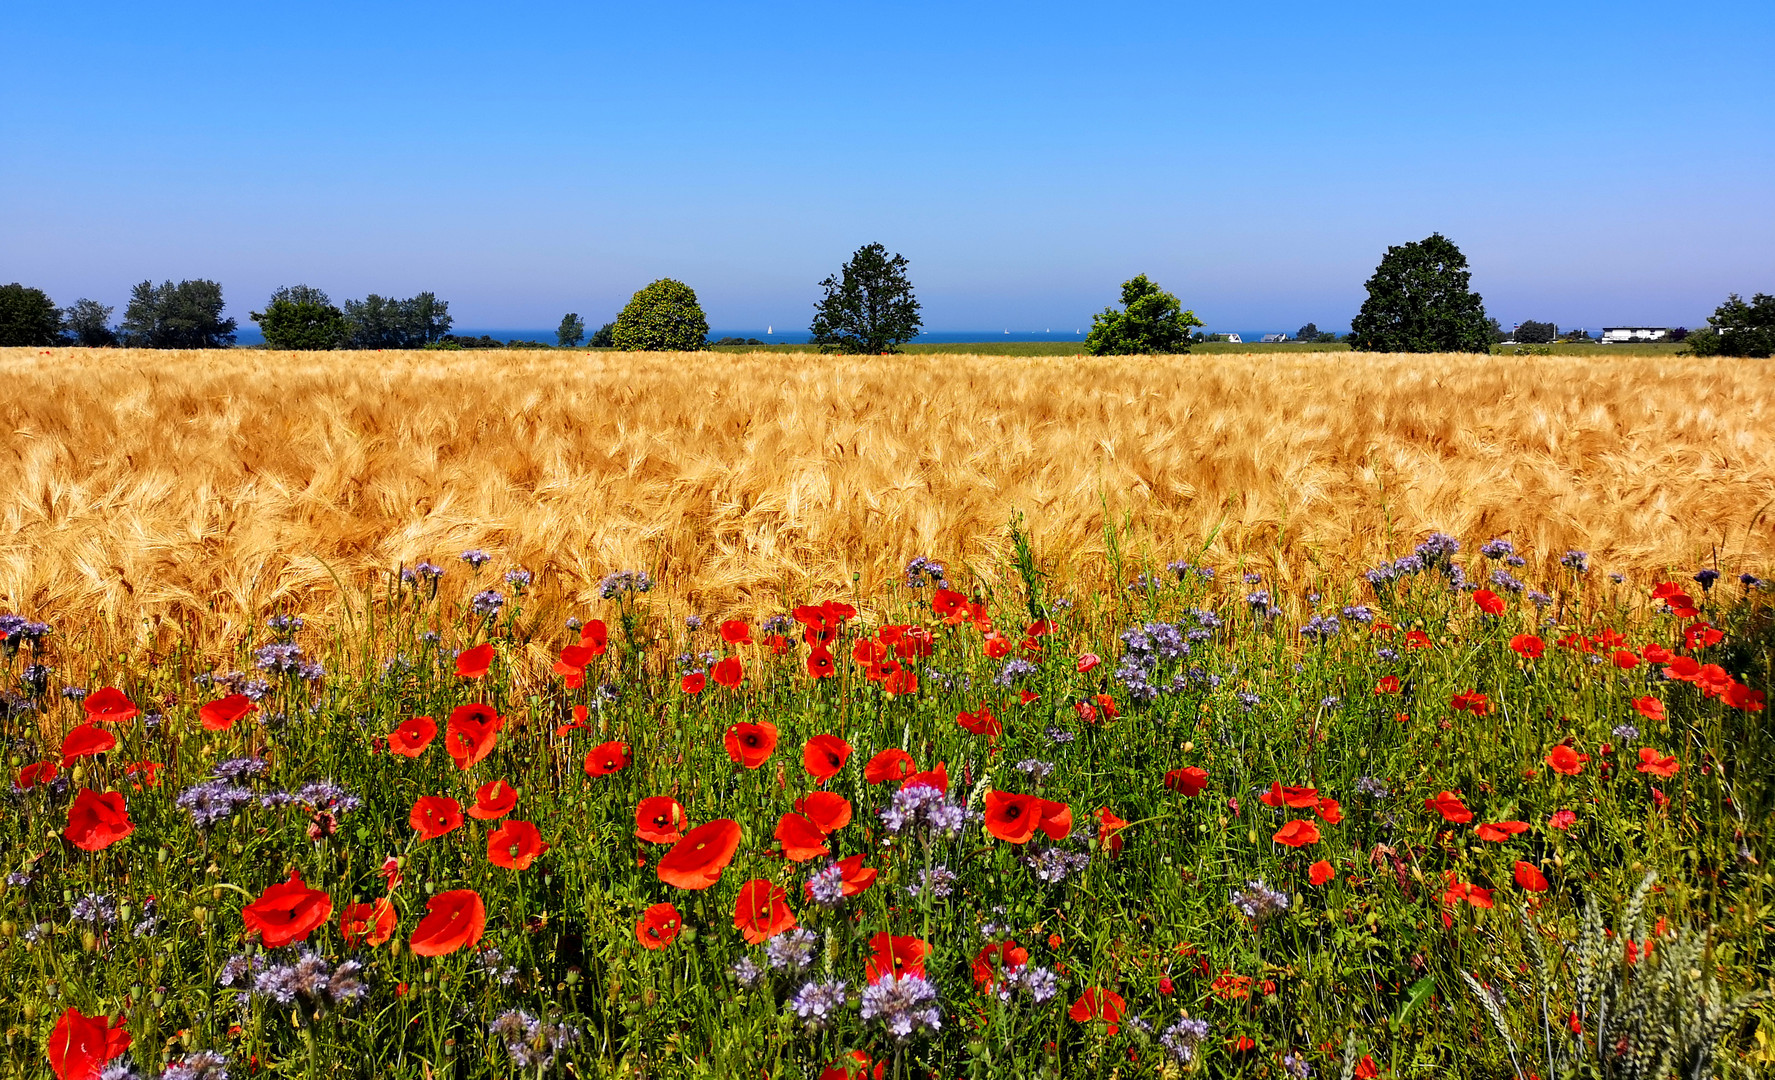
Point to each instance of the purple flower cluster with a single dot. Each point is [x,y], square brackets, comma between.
[529,1042]
[922,804]
[312,979]
[487,603]
[614,586]
[1258,902]
[475,557]
[421,571]
[905,1005]
[816,1004]
[793,951]
[1180,1039]
[921,569]
[1321,628]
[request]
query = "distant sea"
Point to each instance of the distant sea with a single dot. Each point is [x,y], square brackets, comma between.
[250,335]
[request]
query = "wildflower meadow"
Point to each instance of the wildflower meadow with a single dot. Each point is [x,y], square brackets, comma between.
[1445,818]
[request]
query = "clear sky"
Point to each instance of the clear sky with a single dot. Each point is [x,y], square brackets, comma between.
[1599,162]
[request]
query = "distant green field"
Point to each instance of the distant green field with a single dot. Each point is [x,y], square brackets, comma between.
[1074,348]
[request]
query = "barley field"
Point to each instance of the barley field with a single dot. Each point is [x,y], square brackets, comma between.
[145,491]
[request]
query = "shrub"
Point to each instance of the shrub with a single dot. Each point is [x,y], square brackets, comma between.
[27,316]
[1151,321]
[1418,302]
[302,318]
[1737,328]
[663,317]
[1536,333]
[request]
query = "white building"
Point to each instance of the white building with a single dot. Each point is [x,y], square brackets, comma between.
[1612,335]
[1271,339]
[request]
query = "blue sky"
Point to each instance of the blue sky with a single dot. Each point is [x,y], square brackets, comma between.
[1598,162]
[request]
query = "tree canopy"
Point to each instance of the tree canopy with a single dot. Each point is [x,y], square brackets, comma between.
[28,316]
[1737,328]
[183,316]
[663,317]
[1419,302]
[1151,321]
[571,332]
[382,322]
[301,317]
[1536,333]
[869,306]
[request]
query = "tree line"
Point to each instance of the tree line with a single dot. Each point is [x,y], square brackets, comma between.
[1420,299]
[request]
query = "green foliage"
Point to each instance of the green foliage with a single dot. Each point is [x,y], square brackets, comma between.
[663,317]
[1311,334]
[183,316]
[1419,302]
[88,323]
[380,322]
[302,318]
[1737,328]
[733,341]
[571,332]
[27,317]
[869,307]
[1536,333]
[1703,342]
[1577,337]
[1151,321]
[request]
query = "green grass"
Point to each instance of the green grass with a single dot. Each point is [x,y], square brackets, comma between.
[1253,704]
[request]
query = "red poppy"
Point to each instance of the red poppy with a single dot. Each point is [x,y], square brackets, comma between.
[820,664]
[947,603]
[1241,1045]
[434,815]
[1095,1004]
[1700,636]
[1417,639]
[824,755]
[412,736]
[471,732]
[1683,669]
[801,839]
[1298,798]
[473,663]
[220,715]
[895,955]
[658,926]
[149,771]
[1655,763]
[1297,834]
[572,664]
[1026,696]
[1563,759]
[990,961]
[1657,654]
[750,744]
[39,772]
[1109,830]
[1478,897]
[1011,817]
[595,636]
[288,911]
[1489,602]
[109,705]
[890,764]
[779,645]
[1329,810]
[1056,819]
[1713,680]
[853,1066]
[997,645]
[607,758]
[367,924]
[761,911]
[736,632]
[95,821]
[1087,661]
[1471,701]
[1650,708]
[1624,660]
[80,1045]
[515,845]
[1528,646]
[1562,819]
[1530,877]
[1387,685]
[693,683]
[901,682]
[729,673]
[454,920]
[494,799]
[1500,831]
[827,810]
[1450,806]
[87,740]
[980,723]
[660,820]
[1107,705]
[937,778]
[1742,697]
[1320,872]
[1187,781]
[696,861]
[1366,1069]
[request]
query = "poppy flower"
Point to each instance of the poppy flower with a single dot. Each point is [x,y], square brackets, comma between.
[1712,680]
[1656,764]
[607,758]
[1528,646]
[729,673]
[736,632]
[693,683]
[1563,759]
[454,920]
[80,1045]
[1107,705]
[993,959]
[367,924]
[853,1066]
[1297,798]
[1012,817]
[1624,660]
[220,715]
[1417,639]
[696,861]
[1500,831]
[1297,834]
[1529,877]
[761,911]
[515,845]
[412,736]
[1478,897]
[494,799]
[1388,685]
[1701,635]
[1683,669]
[1471,701]
[288,911]
[1489,602]
[1188,781]
[1087,661]
[1742,697]
[937,778]
[660,820]
[95,821]
[1366,1069]
[891,764]
[38,772]
[434,815]
[658,926]
[750,744]
[471,732]
[1329,810]
[1086,711]
[1056,819]
[595,636]
[948,602]
[801,839]
[1109,830]
[109,705]
[827,810]
[895,955]
[779,645]
[473,663]
[1320,872]
[1095,1004]
[86,740]
[1657,654]
[1450,806]
[980,723]
[820,664]
[1649,707]
[572,664]
[997,645]
[901,682]
[856,877]
[149,771]
[824,755]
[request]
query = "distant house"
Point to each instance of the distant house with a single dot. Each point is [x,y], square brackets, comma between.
[1234,338]
[1272,339]
[1618,334]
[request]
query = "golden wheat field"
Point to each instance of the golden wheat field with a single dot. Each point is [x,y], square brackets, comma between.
[141,491]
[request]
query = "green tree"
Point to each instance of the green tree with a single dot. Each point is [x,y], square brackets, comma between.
[1737,328]
[571,332]
[88,323]
[300,317]
[183,316]
[663,317]
[1151,321]
[869,306]
[1536,333]
[604,337]
[28,317]
[381,322]
[1309,332]
[1419,302]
